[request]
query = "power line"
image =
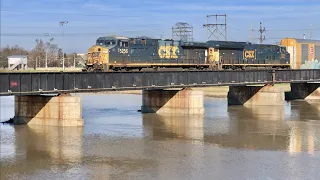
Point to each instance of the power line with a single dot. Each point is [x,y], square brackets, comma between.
[293,29]
[81,26]
[273,30]
[71,14]
[66,34]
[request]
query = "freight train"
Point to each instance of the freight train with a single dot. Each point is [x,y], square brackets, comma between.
[123,53]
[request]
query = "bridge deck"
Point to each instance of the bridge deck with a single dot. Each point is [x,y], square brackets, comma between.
[27,83]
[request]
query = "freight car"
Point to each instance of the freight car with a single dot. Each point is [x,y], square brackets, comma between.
[123,53]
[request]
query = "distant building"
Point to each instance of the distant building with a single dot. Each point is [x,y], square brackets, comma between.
[304,53]
[17,62]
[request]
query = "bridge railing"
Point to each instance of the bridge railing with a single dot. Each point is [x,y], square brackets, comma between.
[302,75]
[56,82]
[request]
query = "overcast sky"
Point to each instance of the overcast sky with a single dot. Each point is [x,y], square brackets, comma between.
[22,21]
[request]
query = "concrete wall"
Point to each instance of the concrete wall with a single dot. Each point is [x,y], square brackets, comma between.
[46,110]
[256,95]
[184,101]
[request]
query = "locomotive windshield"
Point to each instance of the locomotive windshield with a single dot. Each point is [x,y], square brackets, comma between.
[283,49]
[106,42]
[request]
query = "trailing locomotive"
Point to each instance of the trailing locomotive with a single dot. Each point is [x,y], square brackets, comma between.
[122,53]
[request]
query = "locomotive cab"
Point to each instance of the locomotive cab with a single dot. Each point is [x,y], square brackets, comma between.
[99,54]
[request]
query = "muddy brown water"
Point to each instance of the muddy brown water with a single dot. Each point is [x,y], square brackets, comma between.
[117,142]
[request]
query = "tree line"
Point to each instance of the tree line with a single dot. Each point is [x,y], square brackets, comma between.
[37,56]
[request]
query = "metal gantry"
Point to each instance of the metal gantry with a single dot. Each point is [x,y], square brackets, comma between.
[182,31]
[219,29]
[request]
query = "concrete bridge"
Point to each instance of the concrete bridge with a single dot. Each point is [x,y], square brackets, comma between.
[35,104]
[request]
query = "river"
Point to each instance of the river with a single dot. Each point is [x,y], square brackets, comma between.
[117,142]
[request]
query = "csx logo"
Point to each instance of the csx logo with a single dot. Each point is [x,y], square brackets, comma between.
[123,51]
[168,52]
[96,54]
[249,54]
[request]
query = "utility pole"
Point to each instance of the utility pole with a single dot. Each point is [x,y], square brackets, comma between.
[213,28]
[262,30]
[62,24]
[251,33]
[46,35]
[74,60]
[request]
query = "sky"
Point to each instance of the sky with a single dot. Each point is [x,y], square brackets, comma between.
[23,21]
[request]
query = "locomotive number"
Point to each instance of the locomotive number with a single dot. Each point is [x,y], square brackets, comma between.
[283,56]
[249,54]
[123,51]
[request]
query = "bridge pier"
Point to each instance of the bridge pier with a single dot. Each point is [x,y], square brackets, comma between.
[185,101]
[307,91]
[256,95]
[62,110]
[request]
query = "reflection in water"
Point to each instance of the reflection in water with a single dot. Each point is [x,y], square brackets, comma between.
[44,147]
[304,135]
[171,126]
[259,113]
[260,127]
[306,110]
[117,142]
[257,127]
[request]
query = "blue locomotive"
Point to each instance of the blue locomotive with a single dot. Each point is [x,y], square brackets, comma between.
[123,53]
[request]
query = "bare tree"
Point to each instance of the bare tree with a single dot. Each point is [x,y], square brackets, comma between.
[38,53]
[52,49]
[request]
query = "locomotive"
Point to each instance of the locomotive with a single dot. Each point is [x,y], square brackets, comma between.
[123,53]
